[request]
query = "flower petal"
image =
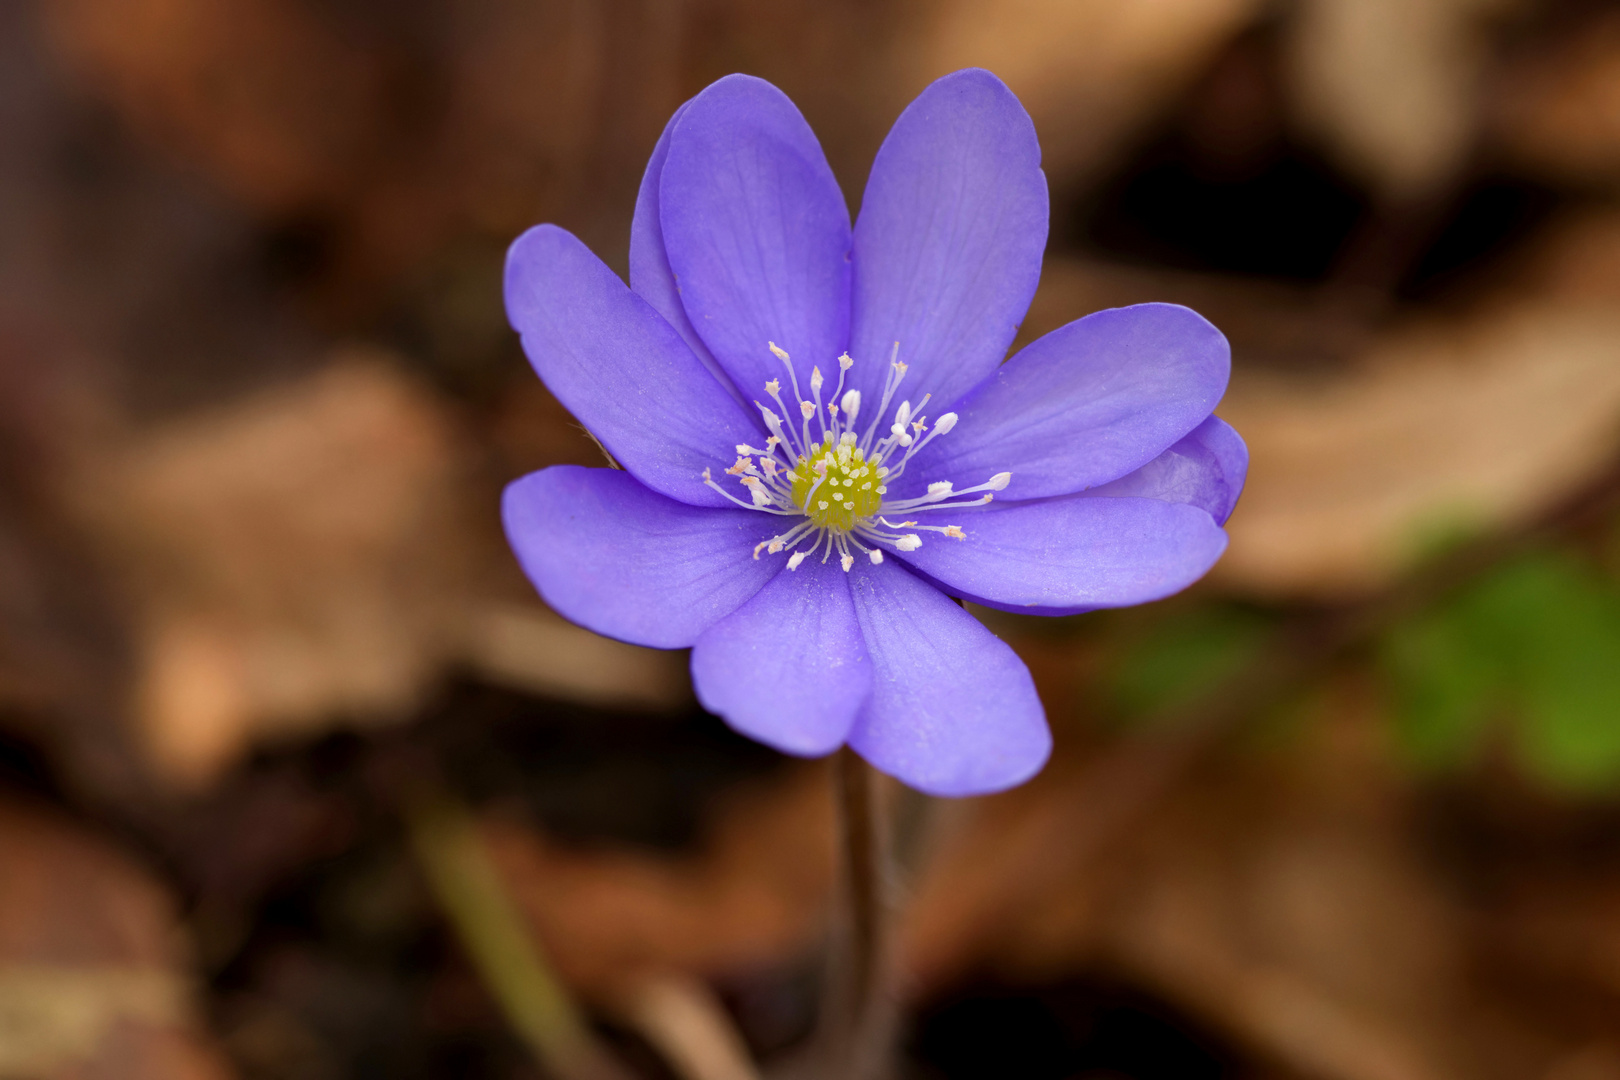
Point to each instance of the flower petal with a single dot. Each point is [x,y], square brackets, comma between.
[1206,470]
[1073,552]
[757,232]
[609,554]
[1086,404]
[953,710]
[620,368]
[650,275]
[789,667]
[949,240]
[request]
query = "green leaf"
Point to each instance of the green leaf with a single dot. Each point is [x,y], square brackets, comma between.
[1566,624]
[1445,686]
[1536,640]
[1183,657]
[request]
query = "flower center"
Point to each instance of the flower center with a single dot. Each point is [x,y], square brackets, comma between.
[835,486]
[834,482]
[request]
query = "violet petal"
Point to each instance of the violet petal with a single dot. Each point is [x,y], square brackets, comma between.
[1072,552]
[622,560]
[949,240]
[953,709]
[1086,404]
[789,667]
[756,232]
[1206,470]
[650,275]
[620,368]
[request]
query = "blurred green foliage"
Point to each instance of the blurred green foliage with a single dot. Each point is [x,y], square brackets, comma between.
[1529,650]
[1181,658]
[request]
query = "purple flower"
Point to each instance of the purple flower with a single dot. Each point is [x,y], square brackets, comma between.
[813,421]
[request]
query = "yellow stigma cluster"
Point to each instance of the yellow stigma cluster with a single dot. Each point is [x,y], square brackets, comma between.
[836,487]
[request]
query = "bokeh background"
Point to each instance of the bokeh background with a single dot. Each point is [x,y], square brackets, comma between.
[1345,811]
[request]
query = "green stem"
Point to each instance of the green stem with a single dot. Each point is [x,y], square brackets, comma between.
[498,941]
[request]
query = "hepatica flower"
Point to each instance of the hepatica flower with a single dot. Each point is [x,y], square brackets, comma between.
[821,446]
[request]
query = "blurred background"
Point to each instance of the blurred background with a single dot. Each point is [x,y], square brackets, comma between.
[1345,811]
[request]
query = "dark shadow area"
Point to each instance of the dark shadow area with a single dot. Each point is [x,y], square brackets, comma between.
[1079,1030]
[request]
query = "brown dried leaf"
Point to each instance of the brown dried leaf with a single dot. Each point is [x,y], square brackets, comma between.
[1280,897]
[1558,112]
[1480,422]
[321,554]
[757,895]
[91,981]
[1391,86]
[1089,73]
[264,92]
[290,558]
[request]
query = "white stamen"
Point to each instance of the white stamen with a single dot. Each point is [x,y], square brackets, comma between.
[841,463]
[851,406]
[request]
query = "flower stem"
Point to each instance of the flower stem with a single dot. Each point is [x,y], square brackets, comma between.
[858,1030]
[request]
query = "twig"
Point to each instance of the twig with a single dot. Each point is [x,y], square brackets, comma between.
[680,1017]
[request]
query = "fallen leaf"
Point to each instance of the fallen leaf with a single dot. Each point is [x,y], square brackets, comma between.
[91,981]
[1089,73]
[292,557]
[1480,423]
[1391,87]
[1557,113]
[755,897]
